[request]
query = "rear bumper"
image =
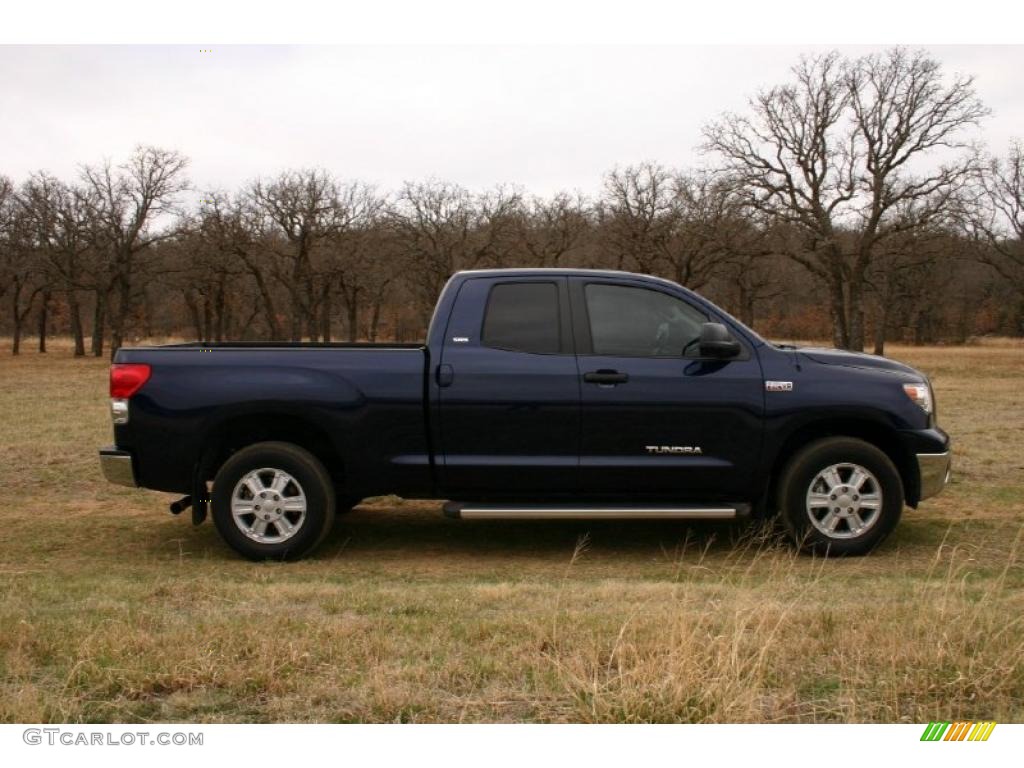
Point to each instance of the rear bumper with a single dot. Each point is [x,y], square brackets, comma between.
[934,469]
[117,467]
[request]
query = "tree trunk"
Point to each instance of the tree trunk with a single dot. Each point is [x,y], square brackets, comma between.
[295,321]
[124,300]
[353,316]
[193,312]
[20,316]
[963,323]
[881,328]
[268,304]
[99,321]
[325,312]
[44,308]
[219,311]
[375,318]
[855,309]
[837,306]
[312,308]
[207,318]
[244,331]
[74,312]
[748,298]
[147,315]
[230,330]
[16,335]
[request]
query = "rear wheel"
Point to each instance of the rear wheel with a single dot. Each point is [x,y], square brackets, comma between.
[273,501]
[840,496]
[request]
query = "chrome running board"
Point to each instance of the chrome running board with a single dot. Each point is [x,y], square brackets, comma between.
[471,511]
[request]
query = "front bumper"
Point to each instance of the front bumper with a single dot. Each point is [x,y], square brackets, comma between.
[934,470]
[117,467]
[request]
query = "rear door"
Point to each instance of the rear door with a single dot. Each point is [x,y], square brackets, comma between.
[509,390]
[656,421]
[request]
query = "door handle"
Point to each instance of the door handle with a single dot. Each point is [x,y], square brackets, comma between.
[445,375]
[605,377]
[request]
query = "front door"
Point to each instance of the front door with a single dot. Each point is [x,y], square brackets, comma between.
[657,419]
[509,390]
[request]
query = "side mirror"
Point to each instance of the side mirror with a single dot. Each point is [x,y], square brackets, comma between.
[717,342]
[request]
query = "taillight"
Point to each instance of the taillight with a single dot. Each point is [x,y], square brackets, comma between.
[127,378]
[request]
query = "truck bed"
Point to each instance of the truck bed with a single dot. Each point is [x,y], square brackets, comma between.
[287,345]
[367,400]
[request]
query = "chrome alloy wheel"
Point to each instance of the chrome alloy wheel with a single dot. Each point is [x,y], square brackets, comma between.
[268,505]
[844,501]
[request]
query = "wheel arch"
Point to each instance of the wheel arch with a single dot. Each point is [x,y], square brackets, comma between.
[243,429]
[879,435]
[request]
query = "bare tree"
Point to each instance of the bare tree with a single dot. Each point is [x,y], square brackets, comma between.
[637,213]
[304,211]
[750,248]
[442,228]
[904,280]
[357,259]
[20,265]
[661,221]
[60,220]
[998,218]
[6,225]
[129,200]
[238,234]
[547,232]
[707,230]
[203,266]
[831,154]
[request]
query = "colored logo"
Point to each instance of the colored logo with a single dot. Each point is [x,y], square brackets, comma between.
[961,730]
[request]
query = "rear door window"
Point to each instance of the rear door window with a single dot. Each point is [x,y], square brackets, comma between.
[523,317]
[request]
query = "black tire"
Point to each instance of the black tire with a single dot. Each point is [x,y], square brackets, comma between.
[310,475]
[802,471]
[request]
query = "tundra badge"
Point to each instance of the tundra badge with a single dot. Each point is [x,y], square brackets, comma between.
[692,450]
[779,386]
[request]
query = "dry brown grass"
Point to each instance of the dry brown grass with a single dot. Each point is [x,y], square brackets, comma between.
[110,609]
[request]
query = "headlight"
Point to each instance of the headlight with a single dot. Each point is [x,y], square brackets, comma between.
[920,394]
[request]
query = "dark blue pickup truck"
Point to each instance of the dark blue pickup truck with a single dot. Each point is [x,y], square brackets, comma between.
[539,394]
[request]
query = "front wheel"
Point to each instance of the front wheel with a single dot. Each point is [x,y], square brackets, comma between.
[840,496]
[273,501]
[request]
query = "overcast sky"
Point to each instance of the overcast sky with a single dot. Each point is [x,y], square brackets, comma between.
[546,118]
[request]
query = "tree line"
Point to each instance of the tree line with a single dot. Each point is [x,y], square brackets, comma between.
[854,201]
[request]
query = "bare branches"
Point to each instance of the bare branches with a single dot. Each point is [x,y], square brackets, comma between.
[832,155]
[903,109]
[442,228]
[997,218]
[792,156]
[838,190]
[551,231]
[127,203]
[662,221]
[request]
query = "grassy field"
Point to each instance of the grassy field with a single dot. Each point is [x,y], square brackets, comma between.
[111,609]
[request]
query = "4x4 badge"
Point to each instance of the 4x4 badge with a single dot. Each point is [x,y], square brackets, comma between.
[779,386]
